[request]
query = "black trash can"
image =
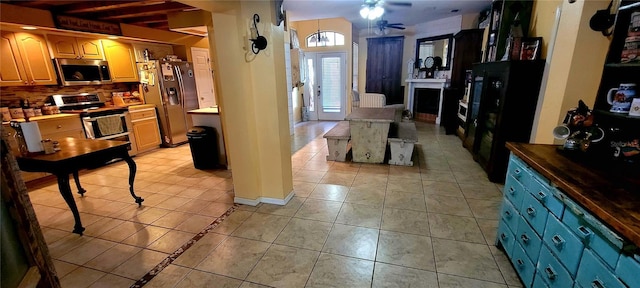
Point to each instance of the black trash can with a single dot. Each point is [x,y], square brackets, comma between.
[203,144]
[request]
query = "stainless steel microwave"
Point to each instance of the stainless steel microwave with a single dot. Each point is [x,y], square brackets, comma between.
[82,72]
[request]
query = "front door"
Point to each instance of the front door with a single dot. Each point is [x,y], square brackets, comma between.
[325,90]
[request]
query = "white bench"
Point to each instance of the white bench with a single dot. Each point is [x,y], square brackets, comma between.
[338,142]
[401,144]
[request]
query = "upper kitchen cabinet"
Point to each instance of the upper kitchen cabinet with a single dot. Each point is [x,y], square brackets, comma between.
[25,60]
[72,47]
[122,61]
[155,51]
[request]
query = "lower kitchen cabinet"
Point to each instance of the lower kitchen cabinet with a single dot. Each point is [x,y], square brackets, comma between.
[54,127]
[145,127]
[553,241]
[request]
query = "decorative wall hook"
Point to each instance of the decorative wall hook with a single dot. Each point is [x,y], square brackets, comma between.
[258,42]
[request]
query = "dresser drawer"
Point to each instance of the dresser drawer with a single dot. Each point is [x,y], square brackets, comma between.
[143,113]
[509,214]
[519,170]
[505,237]
[550,269]
[594,273]
[522,264]
[628,269]
[563,243]
[548,196]
[528,240]
[59,125]
[514,191]
[592,237]
[538,282]
[534,212]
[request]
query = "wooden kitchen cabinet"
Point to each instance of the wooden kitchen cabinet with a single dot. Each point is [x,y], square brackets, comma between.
[25,60]
[122,61]
[75,48]
[145,127]
[156,51]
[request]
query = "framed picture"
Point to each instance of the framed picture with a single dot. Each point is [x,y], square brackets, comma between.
[530,48]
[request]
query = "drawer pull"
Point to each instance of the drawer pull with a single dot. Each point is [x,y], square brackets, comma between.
[542,195]
[508,214]
[531,211]
[59,126]
[520,262]
[597,284]
[584,232]
[558,241]
[511,190]
[517,172]
[550,273]
[524,238]
[503,236]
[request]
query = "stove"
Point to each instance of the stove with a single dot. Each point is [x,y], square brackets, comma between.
[99,121]
[85,104]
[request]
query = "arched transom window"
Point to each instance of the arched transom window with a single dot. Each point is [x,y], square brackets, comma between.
[324,39]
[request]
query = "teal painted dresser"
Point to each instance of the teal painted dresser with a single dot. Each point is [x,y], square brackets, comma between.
[567,223]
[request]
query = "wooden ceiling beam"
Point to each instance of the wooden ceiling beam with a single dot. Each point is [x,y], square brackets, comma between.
[146,19]
[132,12]
[163,25]
[95,6]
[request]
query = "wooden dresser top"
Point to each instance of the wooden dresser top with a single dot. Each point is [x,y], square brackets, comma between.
[612,195]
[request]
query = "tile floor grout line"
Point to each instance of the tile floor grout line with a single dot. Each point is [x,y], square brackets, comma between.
[173,256]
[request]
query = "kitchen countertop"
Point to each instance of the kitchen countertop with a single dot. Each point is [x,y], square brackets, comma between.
[612,195]
[44,117]
[204,111]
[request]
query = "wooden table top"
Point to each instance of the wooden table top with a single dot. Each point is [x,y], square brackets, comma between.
[612,195]
[372,114]
[74,154]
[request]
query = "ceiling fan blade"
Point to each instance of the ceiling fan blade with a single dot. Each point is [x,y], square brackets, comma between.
[404,4]
[394,24]
[396,27]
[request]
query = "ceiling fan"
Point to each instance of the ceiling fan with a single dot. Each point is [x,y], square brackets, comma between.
[382,26]
[373,9]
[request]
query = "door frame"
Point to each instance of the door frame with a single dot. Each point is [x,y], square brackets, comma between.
[317,114]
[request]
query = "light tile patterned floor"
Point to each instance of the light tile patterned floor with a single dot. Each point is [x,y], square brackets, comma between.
[349,225]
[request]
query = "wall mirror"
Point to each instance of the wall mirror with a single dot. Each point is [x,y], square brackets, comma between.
[434,46]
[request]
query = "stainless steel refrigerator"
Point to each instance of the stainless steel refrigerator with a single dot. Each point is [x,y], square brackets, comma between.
[171,86]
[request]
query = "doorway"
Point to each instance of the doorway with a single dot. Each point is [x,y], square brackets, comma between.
[325,90]
[204,77]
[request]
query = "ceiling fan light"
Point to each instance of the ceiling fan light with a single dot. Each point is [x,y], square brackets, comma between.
[364,12]
[377,12]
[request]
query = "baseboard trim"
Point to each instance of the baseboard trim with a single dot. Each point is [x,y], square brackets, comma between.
[268,200]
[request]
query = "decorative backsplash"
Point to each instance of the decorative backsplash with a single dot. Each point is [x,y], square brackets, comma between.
[37,95]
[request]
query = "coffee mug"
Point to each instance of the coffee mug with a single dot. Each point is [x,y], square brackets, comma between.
[621,100]
[635,107]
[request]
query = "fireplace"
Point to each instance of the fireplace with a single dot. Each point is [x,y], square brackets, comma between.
[427,102]
[425,98]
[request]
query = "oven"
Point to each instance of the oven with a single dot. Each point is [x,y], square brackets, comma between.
[98,120]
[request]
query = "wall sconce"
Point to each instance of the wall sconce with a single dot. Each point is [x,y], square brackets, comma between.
[258,42]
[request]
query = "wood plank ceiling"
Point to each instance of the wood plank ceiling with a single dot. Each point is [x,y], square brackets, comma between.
[147,13]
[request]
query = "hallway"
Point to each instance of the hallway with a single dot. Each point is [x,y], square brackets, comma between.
[349,224]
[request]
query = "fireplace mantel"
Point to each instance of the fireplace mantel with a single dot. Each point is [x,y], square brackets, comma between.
[439,84]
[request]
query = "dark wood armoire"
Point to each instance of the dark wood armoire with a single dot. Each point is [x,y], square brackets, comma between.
[384,68]
[467,50]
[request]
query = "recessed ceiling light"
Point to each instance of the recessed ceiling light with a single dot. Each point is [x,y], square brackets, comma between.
[29,28]
[112,37]
[454,10]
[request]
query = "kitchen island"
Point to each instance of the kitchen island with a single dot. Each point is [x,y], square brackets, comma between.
[211,117]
